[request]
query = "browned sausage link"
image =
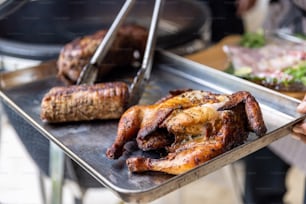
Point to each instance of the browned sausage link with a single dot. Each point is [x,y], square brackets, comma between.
[77,53]
[85,102]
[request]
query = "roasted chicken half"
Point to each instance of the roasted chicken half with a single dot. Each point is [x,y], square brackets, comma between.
[193,126]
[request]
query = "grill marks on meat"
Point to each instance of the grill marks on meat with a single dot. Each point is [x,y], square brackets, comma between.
[85,102]
[76,54]
[196,126]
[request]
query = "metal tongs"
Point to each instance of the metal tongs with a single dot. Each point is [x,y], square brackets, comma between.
[90,71]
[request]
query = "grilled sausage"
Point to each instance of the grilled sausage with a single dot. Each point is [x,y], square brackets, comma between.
[76,54]
[85,102]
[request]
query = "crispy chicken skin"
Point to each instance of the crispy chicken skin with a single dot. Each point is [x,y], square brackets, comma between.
[189,151]
[76,54]
[252,109]
[198,125]
[176,163]
[142,120]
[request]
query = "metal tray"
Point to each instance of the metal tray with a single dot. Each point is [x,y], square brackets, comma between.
[86,142]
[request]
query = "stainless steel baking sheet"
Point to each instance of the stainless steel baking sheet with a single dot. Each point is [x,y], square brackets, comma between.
[86,142]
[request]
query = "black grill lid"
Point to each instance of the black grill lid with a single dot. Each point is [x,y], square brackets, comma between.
[39,29]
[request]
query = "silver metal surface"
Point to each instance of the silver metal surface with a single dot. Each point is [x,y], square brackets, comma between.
[57,158]
[90,71]
[8,7]
[285,35]
[86,143]
[142,77]
[1,125]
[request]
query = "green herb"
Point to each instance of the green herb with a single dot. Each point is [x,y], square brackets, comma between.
[253,39]
[298,72]
[301,35]
[230,69]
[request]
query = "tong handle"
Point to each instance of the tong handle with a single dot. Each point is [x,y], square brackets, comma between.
[89,72]
[143,75]
[111,33]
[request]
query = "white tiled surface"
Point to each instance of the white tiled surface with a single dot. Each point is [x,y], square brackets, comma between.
[19,183]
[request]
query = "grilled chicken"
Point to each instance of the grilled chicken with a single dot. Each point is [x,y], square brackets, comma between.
[195,126]
[85,102]
[76,54]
